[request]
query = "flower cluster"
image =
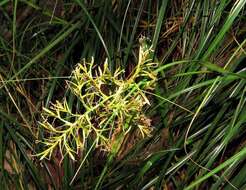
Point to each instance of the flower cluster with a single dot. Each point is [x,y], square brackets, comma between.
[112,105]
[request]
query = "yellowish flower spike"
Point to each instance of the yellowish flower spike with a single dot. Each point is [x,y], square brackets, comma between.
[112,105]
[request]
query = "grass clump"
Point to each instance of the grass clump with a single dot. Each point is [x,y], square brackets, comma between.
[194,98]
[112,103]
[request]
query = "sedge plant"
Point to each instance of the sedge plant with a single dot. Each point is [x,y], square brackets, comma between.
[113,105]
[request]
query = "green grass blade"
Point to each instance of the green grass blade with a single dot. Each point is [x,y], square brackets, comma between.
[45,50]
[236,158]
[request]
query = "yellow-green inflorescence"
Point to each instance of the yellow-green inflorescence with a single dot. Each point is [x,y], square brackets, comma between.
[112,105]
